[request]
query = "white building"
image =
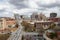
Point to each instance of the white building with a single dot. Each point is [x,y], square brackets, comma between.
[36,16]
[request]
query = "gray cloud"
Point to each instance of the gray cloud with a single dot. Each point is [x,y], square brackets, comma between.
[2,10]
[19,3]
[50,6]
[22,4]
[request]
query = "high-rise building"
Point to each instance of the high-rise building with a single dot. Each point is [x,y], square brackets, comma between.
[53,14]
[36,16]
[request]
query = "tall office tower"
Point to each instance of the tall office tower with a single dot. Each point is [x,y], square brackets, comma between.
[53,15]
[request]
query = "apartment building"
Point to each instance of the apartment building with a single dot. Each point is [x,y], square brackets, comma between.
[41,25]
[6,22]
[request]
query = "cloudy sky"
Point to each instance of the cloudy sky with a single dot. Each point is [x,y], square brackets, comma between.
[27,7]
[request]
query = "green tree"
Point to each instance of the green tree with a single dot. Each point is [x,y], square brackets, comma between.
[52,35]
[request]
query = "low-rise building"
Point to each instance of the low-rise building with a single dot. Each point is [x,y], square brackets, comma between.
[56,20]
[32,36]
[6,22]
[41,25]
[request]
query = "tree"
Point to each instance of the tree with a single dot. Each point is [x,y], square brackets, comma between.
[27,26]
[16,25]
[52,26]
[52,35]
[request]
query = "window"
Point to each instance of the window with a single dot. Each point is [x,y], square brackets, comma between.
[1,24]
[36,16]
[58,24]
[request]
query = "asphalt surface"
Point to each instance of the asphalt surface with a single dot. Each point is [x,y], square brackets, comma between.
[17,34]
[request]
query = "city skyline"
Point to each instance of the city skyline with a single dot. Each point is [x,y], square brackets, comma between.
[27,7]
